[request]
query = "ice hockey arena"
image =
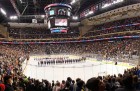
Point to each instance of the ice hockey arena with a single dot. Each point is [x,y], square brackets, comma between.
[69,45]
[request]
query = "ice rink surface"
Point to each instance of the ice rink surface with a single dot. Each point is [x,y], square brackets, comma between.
[85,70]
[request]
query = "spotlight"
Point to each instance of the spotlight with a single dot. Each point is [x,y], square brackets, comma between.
[2,11]
[75,17]
[73,1]
[13,17]
[42,16]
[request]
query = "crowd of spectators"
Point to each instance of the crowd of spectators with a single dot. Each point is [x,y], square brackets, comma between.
[34,33]
[12,56]
[125,27]
[130,24]
[106,48]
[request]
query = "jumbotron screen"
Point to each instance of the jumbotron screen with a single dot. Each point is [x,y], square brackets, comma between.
[51,12]
[58,12]
[61,22]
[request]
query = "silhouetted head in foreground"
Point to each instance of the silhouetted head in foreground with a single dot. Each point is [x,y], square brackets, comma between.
[94,84]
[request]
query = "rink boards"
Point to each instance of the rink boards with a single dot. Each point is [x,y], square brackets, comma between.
[85,70]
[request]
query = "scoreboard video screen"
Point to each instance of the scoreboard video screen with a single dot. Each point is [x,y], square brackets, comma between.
[61,22]
[58,22]
[58,11]
[51,12]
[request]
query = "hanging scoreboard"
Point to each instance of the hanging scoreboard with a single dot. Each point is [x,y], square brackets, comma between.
[58,16]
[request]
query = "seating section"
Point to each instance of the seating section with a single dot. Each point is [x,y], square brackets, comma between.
[125,25]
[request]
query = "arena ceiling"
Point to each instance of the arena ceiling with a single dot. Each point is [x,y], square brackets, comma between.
[36,7]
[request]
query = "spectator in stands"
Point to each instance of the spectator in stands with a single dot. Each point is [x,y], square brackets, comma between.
[94,84]
[80,86]
[57,87]
[53,83]
[67,87]
[2,87]
[8,81]
[75,85]
[63,84]
[128,82]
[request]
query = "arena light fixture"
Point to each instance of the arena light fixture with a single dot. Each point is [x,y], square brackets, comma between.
[13,17]
[42,16]
[3,11]
[75,17]
[112,3]
[73,1]
[89,13]
[34,20]
[20,1]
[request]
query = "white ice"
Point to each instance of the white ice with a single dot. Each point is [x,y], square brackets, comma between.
[78,70]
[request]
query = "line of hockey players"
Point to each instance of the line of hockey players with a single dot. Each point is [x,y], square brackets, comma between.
[60,61]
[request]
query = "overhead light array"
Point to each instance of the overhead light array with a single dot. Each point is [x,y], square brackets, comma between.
[42,16]
[73,1]
[3,11]
[75,17]
[21,1]
[112,3]
[89,13]
[13,17]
